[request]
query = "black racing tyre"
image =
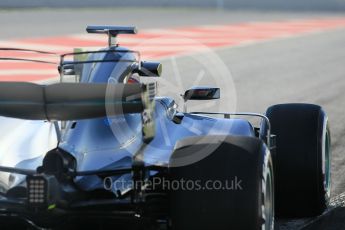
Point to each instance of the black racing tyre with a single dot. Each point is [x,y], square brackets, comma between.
[302,160]
[215,201]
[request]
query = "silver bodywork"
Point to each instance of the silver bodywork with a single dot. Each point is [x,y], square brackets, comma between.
[109,142]
[23,144]
[112,147]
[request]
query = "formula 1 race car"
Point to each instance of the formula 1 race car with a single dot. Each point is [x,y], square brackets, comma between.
[105,152]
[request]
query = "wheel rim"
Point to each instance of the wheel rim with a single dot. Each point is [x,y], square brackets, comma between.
[327,163]
[268,201]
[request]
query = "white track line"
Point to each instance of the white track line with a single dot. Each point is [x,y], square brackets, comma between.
[27,72]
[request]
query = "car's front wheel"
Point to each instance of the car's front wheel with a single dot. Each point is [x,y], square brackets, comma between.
[302,160]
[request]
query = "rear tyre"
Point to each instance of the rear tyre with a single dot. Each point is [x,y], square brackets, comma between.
[247,205]
[302,159]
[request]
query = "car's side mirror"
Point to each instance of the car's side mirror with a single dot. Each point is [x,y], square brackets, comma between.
[202,93]
[68,70]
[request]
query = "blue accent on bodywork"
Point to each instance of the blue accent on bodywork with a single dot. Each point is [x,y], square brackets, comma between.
[95,146]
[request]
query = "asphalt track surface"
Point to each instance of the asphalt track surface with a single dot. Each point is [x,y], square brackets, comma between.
[304,67]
